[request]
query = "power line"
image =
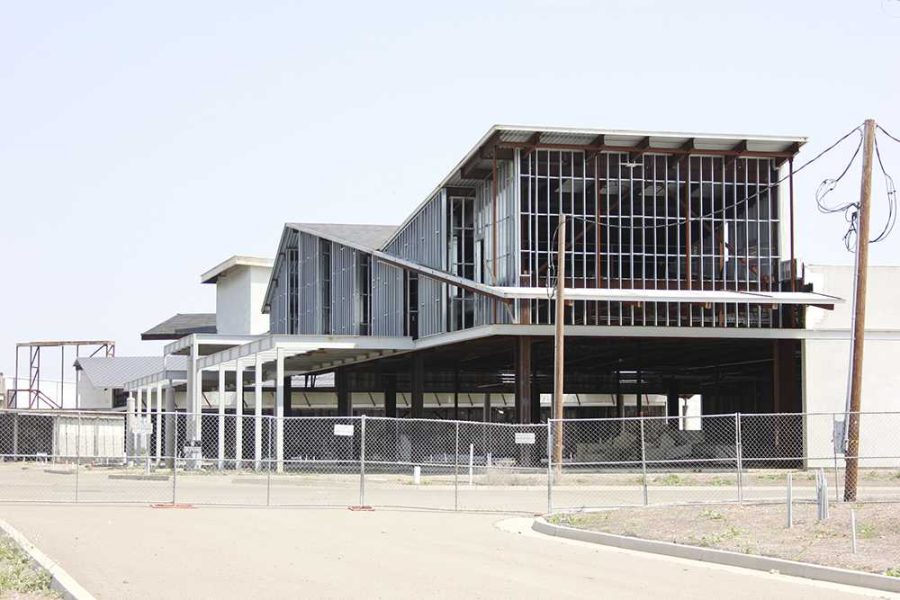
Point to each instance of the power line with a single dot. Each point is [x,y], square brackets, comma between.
[759,192]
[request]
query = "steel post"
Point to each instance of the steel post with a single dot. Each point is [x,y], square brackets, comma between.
[362,461]
[644,464]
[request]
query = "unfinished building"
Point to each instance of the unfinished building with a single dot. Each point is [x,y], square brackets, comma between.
[681,286]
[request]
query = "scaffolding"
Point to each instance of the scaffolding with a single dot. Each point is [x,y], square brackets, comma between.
[36,397]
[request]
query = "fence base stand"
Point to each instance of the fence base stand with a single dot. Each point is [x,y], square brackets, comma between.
[358,508]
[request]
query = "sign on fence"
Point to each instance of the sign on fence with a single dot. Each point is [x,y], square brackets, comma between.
[142,426]
[525,438]
[343,430]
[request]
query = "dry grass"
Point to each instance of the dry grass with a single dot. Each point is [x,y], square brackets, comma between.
[761,529]
[20,578]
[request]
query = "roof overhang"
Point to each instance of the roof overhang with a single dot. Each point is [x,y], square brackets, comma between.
[684,296]
[307,353]
[213,274]
[207,343]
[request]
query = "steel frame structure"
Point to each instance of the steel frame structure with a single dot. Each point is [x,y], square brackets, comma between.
[37,398]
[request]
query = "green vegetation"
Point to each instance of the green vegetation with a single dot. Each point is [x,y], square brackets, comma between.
[670,479]
[893,572]
[712,515]
[18,574]
[866,531]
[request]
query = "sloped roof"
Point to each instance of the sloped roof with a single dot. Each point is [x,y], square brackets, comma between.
[367,237]
[181,325]
[115,371]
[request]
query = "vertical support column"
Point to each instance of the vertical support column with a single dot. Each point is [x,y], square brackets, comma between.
[523,380]
[417,395]
[137,417]
[280,381]
[191,394]
[342,390]
[287,408]
[221,420]
[158,428]
[672,404]
[257,413]
[238,414]
[171,427]
[488,413]
[129,424]
[390,395]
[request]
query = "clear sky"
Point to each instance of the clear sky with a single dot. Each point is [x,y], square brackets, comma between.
[142,143]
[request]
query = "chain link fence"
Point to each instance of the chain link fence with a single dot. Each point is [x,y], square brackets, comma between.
[574,464]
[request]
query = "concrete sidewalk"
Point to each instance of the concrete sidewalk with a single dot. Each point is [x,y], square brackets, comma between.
[140,552]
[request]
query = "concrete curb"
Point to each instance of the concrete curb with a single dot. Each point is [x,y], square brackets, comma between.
[723,557]
[139,477]
[60,580]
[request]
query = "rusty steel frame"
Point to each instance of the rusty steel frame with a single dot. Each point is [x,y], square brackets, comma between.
[37,398]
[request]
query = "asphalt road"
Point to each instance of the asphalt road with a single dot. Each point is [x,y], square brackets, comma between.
[217,552]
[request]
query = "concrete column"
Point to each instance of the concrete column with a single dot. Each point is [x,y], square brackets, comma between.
[287,408]
[238,414]
[158,428]
[417,395]
[257,413]
[390,395]
[138,415]
[129,422]
[171,426]
[342,390]
[672,404]
[279,409]
[221,437]
[190,390]
[488,413]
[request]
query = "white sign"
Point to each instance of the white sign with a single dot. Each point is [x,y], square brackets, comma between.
[343,430]
[525,438]
[142,426]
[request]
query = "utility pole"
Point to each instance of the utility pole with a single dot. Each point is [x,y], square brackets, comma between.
[559,344]
[859,315]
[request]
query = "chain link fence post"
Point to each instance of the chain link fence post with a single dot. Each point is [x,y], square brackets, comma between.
[739,457]
[550,466]
[834,451]
[362,461]
[175,462]
[644,464]
[271,421]
[456,470]
[77,455]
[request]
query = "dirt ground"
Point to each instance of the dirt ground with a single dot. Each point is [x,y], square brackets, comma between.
[761,529]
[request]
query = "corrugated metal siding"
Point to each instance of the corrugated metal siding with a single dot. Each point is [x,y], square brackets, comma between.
[282,311]
[424,240]
[387,299]
[507,239]
[309,317]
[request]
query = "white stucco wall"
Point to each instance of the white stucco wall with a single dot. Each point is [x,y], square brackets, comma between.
[239,300]
[91,397]
[826,362]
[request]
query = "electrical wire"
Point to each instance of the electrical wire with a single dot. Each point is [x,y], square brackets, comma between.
[680,220]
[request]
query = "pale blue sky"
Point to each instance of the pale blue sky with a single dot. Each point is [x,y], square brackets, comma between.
[142,143]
